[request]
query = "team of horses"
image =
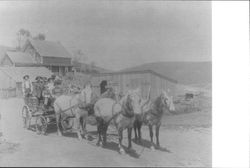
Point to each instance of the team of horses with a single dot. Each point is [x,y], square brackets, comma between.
[127,112]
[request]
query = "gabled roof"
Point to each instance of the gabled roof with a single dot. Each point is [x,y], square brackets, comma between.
[3,50]
[17,73]
[49,48]
[20,57]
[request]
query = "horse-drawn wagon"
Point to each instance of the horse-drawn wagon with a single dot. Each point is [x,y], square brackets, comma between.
[43,115]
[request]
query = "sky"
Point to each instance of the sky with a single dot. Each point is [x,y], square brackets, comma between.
[116,34]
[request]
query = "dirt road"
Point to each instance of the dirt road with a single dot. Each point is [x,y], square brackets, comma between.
[185,141]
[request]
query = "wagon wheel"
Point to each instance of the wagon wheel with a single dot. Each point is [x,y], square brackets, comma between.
[41,125]
[26,117]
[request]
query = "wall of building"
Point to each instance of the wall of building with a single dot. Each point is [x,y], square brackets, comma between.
[57,61]
[124,82]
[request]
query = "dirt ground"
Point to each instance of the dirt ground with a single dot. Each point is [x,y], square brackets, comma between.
[185,140]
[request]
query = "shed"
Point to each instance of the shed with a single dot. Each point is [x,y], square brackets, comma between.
[11,78]
[125,80]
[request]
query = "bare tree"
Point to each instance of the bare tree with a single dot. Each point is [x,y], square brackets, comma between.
[78,59]
[22,36]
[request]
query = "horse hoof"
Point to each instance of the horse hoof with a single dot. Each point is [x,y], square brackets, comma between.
[99,144]
[152,148]
[59,134]
[130,149]
[158,147]
[122,152]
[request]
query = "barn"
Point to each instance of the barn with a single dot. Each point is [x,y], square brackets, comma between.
[125,80]
[12,77]
[52,55]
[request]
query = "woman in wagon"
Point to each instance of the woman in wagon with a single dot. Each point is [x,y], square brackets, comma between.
[39,87]
[27,88]
[47,92]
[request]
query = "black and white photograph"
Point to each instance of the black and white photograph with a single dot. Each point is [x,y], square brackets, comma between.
[105,83]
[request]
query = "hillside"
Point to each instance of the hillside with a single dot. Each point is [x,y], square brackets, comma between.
[187,73]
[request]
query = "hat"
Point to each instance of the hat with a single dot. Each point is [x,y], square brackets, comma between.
[38,78]
[26,76]
[50,79]
[53,76]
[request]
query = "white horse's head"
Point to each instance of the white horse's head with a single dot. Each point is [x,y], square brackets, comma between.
[133,100]
[167,100]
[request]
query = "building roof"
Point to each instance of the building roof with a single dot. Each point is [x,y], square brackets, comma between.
[49,48]
[137,72]
[3,50]
[20,57]
[17,73]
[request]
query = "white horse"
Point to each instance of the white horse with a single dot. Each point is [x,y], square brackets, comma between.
[71,106]
[121,112]
[152,115]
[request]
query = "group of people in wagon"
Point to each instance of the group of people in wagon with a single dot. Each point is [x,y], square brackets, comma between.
[46,90]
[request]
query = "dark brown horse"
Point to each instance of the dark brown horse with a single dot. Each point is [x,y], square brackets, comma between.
[121,112]
[152,116]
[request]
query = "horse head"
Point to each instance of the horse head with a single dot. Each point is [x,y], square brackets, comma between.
[132,102]
[167,101]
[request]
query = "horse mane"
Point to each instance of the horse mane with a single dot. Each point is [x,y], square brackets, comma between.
[126,105]
[157,105]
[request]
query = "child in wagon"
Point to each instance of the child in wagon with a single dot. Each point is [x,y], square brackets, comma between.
[27,88]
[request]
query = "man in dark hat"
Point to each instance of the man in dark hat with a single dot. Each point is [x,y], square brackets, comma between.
[27,88]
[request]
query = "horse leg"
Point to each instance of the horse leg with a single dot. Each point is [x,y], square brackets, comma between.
[99,133]
[129,138]
[58,116]
[120,131]
[135,130]
[78,129]
[157,128]
[84,125]
[139,130]
[104,133]
[151,137]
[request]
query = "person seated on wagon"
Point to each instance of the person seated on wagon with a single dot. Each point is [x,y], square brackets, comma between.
[27,88]
[57,90]
[109,93]
[47,93]
[47,96]
[38,89]
[50,85]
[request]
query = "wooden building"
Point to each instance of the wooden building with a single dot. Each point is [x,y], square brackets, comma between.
[12,77]
[49,54]
[125,80]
